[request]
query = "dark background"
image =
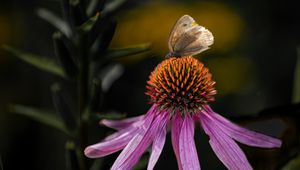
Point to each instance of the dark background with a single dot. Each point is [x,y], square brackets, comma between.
[252,61]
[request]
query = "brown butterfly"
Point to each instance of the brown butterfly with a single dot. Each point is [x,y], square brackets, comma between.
[188,38]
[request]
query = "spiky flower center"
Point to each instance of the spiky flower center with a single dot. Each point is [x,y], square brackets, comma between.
[181,83]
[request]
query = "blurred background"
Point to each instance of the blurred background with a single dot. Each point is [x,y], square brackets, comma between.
[253,61]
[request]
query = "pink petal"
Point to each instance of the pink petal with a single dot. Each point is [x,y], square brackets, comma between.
[242,135]
[130,131]
[176,127]
[133,127]
[108,147]
[137,146]
[187,149]
[157,146]
[138,124]
[225,148]
[120,124]
[118,140]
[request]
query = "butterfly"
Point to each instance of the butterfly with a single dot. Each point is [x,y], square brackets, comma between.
[187,38]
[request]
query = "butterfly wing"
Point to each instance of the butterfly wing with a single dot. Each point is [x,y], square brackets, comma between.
[179,29]
[188,38]
[199,40]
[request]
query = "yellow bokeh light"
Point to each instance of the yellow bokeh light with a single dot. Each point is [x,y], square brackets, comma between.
[231,73]
[153,22]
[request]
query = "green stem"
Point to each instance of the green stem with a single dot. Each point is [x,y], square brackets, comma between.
[83,98]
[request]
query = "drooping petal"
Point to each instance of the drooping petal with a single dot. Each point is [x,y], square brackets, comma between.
[109,146]
[225,148]
[121,124]
[187,149]
[124,123]
[118,140]
[114,142]
[146,119]
[176,128]
[136,147]
[157,146]
[242,135]
[134,127]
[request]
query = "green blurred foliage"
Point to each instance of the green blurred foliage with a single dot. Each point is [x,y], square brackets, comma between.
[294,164]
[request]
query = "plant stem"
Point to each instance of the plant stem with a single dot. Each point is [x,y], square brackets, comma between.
[83,100]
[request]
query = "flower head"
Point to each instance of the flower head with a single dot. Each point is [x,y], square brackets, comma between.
[181,83]
[179,90]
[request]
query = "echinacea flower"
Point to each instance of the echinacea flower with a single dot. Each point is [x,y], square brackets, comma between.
[180,90]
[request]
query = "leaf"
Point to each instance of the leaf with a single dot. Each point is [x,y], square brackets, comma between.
[63,108]
[88,25]
[124,52]
[113,6]
[110,74]
[40,62]
[42,116]
[96,164]
[77,14]
[296,86]
[96,26]
[102,42]
[64,55]
[65,8]
[55,21]
[94,6]
[72,161]
[112,115]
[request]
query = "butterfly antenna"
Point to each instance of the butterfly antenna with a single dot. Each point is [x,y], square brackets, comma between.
[169,55]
